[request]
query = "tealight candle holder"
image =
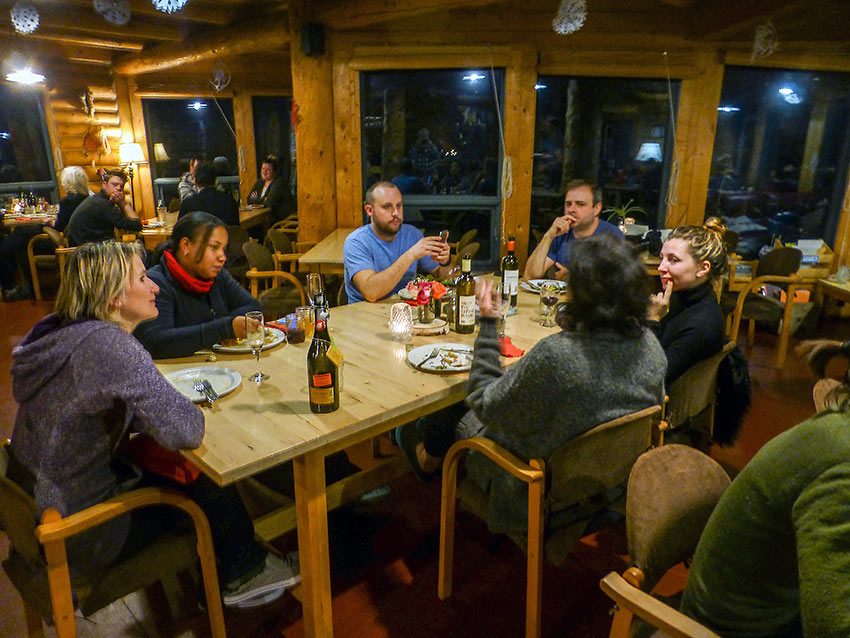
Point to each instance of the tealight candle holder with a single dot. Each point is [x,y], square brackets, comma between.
[401,322]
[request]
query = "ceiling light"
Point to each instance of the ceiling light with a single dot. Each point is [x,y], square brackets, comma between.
[786,90]
[538,87]
[728,109]
[197,106]
[25,76]
[792,98]
[4,135]
[474,77]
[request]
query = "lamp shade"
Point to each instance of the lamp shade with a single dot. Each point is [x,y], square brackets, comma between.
[649,151]
[160,153]
[130,153]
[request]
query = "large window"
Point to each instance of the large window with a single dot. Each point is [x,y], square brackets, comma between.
[780,155]
[273,134]
[616,132]
[179,129]
[26,163]
[435,134]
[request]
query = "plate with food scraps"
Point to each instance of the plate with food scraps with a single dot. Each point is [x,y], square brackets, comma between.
[535,285]
[240,346]
[223,380]
[448,358]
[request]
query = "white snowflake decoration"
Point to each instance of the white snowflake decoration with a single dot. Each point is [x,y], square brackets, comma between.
[114,11]
[570,17]
[169,6]
[24,17]
[765,42]
[220,77]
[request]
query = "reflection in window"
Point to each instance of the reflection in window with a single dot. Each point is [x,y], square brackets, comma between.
[24,150]
[179,129]
[781,141]
[435,135]
[616,132]
[273,134]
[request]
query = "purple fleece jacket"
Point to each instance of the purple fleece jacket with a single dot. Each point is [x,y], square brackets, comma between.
[82,387]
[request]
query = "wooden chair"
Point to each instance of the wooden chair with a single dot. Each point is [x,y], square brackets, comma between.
[577,474]
[464,240]
[237,262]
[37,563]
[777,267]
[689,411]
[278,297]
[283,250]
[671,493]
[470,249]
[288,225]
[56,259]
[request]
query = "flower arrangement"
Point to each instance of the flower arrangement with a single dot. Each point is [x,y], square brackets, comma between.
[427,294]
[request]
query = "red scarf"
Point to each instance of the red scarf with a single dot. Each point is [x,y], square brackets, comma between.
[187,282]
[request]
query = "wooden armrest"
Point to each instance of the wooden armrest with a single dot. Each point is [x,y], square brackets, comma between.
[669,620]
[54,528]
[287,256]
[31,243]
[499,455]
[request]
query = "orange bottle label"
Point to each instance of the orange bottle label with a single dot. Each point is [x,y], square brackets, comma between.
[322,380]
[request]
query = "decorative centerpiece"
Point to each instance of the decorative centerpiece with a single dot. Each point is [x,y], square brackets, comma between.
[401,322]
[427,293]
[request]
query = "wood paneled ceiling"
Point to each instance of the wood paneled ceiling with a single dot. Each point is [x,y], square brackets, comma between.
[72,33]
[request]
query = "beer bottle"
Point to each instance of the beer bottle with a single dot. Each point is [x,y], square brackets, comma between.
[323,361]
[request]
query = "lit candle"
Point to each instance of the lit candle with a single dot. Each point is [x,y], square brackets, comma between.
[401,322]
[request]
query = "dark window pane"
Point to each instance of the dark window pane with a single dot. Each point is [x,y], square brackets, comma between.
[273,134]
[24,151]
[613,131]
[782,138]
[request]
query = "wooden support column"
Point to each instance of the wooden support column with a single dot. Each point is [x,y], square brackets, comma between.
[132,124]
[312,95]
[842,237]
[695,128]
[347,143]
[246,149]
[520,105]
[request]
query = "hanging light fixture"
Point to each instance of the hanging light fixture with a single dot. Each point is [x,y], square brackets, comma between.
[114,11]
[570,17]
[169,6]
[25,76]
[24,17]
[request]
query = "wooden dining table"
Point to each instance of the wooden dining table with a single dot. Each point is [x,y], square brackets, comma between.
[257,427]
[326,256]
[248,217]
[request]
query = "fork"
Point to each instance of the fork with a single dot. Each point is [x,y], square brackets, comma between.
[432,354]
[200,388]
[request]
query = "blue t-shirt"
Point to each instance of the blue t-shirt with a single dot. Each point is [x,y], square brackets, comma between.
[562,246]
[363,250]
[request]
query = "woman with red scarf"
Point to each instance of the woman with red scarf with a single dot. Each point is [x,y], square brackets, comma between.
[199,302]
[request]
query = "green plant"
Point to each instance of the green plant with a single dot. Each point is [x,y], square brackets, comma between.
[626,210]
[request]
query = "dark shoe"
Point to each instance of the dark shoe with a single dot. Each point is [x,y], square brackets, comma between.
[17,293]
[407,438]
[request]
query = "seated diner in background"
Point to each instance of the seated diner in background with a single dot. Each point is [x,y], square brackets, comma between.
[210,200]
[76,186]
[602,365]
[97,216]
[187,187]
[686,316]
[83,384]
[272,191]
[385,254]
[773,558]
[582,206]
[200,303]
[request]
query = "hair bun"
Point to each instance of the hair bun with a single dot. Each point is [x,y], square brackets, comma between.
[715,225]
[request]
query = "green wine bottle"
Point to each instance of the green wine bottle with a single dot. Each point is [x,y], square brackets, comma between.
[323,362]
[465,299]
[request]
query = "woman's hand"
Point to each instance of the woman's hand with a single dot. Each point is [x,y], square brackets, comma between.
[484,295]
[240,329]
[659,303]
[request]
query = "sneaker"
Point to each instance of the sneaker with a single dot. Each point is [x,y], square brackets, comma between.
[277,575]
[259,601]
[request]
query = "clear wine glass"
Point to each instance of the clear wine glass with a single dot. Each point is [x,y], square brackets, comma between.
[549,296]
[255,337]
[315,286]
[502,300]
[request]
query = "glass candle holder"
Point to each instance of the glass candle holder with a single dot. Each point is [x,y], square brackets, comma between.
[401,322]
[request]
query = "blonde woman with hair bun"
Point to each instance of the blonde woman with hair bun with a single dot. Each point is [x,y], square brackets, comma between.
[686,316]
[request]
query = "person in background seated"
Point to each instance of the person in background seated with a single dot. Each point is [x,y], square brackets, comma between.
[97,217]
[582,206]
[406,182]
[199,303]
[187,187]
[686,316]
[773,558]
[210,200]
[76,186]
[271,190]
[602,365]
[384,255]
[83,385]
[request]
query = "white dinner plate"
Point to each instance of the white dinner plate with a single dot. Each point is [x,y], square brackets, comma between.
[405,294]
[223,380]
[451,357]
[273,338]
[533,285]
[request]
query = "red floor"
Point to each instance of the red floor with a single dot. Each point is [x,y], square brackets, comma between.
[383,556]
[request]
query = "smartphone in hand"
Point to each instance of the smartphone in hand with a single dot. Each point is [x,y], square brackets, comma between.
[444,235]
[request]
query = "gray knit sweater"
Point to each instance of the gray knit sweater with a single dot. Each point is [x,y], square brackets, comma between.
[81,388]
[565,385]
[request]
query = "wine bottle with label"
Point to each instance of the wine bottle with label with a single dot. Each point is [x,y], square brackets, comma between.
[465,299]
[323,361]
[510,273]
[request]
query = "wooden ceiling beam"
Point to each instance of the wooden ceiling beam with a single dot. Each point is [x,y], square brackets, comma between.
[86,20]
[257,35]
[78,40]
[717,19]
[352,14]
[193,11]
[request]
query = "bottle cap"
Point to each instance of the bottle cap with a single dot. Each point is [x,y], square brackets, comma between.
[511,244]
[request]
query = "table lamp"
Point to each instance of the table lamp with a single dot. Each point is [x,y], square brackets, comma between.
[130,155]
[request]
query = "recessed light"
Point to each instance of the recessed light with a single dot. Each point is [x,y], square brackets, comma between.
[25,76]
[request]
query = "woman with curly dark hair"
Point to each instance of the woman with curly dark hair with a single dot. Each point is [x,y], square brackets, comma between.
[602,365]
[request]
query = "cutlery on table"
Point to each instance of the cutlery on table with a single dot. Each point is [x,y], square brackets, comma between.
[201,388]
[213,395]
[431,355]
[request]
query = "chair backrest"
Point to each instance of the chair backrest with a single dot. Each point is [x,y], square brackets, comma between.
[598,459]
[466,239]
[236,236]
[258,256]
[470,249]
[18,514]
[278,241]
[342,295]
[695,390]
[779,262]
[55,236]
[672,491]
[730,240]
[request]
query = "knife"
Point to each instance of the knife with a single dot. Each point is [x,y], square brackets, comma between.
[212,395]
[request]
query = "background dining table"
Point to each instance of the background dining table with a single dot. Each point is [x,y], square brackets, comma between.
[256,427]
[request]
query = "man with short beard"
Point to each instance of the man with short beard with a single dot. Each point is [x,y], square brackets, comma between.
[384,255]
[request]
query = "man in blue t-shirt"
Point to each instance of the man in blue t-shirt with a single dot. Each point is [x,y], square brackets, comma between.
[582,206]
[383,256]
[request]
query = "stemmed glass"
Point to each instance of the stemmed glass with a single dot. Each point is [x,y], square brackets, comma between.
[549,296]
[315,286]
[502,300]
[255,337]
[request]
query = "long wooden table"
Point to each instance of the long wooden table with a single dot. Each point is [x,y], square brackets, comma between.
[248,217]
[258,427]
[326,256]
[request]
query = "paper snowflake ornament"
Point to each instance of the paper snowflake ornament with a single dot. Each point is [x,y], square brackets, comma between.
[24,17]
[169,6]
[765,42]
[570,17]
[114,11]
